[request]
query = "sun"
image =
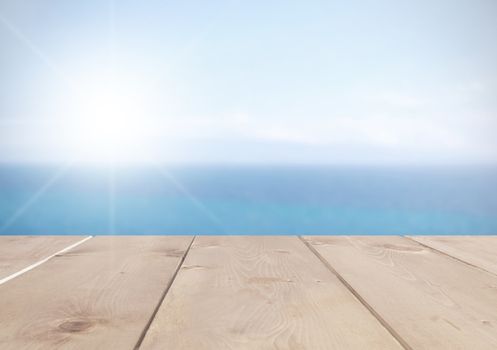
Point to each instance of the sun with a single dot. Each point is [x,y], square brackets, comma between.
[109,118]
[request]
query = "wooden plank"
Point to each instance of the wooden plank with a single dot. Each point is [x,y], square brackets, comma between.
[431,300]
[100,295]
[261,293]
[18,252]
[480,251]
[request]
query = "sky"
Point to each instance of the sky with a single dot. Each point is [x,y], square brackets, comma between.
[326,82]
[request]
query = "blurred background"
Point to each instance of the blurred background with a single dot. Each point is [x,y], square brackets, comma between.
[237,117]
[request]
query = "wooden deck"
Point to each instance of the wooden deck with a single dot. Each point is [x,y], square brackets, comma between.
[248,292]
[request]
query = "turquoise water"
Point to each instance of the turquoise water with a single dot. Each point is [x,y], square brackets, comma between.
[248,200]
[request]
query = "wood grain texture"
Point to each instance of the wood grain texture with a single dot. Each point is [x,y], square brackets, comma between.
[18,252]
[261,293]
[480,251]
[100,295]
[431,300]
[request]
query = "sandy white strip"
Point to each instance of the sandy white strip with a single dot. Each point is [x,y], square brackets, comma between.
[30,267]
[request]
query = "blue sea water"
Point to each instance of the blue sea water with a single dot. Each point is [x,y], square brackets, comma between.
[200,199]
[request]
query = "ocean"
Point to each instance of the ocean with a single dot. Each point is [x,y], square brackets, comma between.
[247,199]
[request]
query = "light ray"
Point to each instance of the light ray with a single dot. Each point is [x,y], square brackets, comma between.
[39,193]
[34,49]
[112,199]
[111,165]
[195,201]
[112,31]
[178,57]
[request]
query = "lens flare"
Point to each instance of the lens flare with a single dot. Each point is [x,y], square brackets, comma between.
[107,118]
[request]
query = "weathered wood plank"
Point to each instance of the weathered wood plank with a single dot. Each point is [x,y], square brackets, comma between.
[18,252]
[100,295]
[479,251]
[431,300]
[261,293]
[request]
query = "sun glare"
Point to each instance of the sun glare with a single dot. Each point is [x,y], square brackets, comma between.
[108,119]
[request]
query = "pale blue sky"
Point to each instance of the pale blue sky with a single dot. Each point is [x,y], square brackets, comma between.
[258,81]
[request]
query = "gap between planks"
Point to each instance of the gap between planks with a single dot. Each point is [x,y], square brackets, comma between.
[42,261]
[351,289]
[163,296]
[438,251]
